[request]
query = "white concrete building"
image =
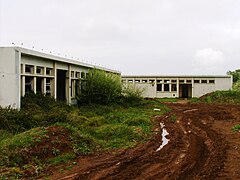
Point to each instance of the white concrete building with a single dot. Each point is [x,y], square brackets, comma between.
[23,70]
[178,86]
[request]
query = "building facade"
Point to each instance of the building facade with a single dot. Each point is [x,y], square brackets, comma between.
[178,86]
[23,70]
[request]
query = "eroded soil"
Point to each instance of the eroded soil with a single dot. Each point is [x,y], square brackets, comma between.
[202,146]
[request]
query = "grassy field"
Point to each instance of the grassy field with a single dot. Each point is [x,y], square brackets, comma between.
[46,133]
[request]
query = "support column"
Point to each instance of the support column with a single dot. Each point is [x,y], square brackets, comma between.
[69,88]
[177,87]
[55,80]
[35,79]
[23,86]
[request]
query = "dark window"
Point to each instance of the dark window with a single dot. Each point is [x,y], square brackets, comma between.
[28,84]
[174,81]
[49,71]
[159,81]
[159,87]
[82,75]
[189,81]
[39,85]
[174,87]
[181,81]
[196,81]
[166,87]
[39,70]
[137,81]
[144,81]
[77,74]
[166,81]
[204,81]
[48,86]
[151,81]
[211,81]
[29,69]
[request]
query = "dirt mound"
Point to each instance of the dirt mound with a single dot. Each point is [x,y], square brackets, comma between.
[201,146]
[54,143]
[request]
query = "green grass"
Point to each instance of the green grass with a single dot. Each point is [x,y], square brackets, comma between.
[236,128]
[223,97]
[167,99]
[90,128]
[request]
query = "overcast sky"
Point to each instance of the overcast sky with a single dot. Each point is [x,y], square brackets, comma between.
[134,36]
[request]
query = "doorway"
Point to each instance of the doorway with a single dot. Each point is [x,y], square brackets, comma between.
[185,90]
[61,85]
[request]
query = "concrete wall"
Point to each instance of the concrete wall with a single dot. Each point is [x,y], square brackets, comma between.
[9,78]
[205,84]
[23,69]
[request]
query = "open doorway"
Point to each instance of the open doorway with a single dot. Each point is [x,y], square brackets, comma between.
[61,85]
[185,90]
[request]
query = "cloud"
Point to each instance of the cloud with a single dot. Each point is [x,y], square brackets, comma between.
[208,60]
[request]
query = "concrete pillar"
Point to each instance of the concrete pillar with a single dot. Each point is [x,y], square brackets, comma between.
[44,85]
[23,85]
[35,79]
[69,88]
[23,81]
[177,87]
[35,84]
[55,80]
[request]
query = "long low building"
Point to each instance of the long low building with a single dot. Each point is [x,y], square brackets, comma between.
[23,70]
[178,86]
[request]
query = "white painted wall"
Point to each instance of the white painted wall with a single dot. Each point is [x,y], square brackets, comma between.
[198,89]
[201,89]
[9,78]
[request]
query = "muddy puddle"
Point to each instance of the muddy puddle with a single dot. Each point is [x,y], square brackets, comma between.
[164,139]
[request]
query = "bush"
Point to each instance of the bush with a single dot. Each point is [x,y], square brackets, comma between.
[132,96]
[99,87]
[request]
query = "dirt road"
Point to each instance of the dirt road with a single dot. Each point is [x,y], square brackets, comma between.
[201,146]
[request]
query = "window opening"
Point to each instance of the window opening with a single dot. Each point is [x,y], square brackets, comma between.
[29,69]
[174,87]
[166,87]
[159,87]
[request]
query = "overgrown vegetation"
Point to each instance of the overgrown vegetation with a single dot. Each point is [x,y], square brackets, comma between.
[224,97]
[236,79]
[99,87]
[45,132]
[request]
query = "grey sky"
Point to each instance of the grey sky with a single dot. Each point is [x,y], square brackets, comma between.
[133,36]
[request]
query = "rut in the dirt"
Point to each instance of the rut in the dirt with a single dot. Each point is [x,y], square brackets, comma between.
[196,150]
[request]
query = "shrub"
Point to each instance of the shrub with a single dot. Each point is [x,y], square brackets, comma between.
[132,96]
[99,87]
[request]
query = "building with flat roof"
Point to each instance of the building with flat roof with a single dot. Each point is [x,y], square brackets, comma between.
[178,86]
[23,70]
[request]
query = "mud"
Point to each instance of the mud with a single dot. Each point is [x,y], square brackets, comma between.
[201,146]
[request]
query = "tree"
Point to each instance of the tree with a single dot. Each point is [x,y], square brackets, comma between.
[235,74]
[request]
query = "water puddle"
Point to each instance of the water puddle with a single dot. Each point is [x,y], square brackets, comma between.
[164,139]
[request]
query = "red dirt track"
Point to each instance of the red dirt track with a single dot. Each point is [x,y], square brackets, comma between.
[202,146]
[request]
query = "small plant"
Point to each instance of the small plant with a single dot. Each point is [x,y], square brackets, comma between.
[236,128]
[55,151]
[173,118]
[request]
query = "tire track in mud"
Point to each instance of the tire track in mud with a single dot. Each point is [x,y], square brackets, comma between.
[196,150]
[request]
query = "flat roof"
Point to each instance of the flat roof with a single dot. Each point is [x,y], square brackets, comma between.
[52,57]
[176,76]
